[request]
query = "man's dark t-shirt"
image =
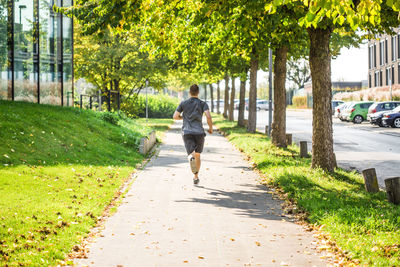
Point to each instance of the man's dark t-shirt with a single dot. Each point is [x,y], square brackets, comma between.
[193,109]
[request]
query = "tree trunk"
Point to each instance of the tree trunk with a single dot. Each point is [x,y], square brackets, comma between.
[252,120]
[320,64]
[218,98]
[279,122]
[212,97]
[242,103]
[232,102]
[226,99]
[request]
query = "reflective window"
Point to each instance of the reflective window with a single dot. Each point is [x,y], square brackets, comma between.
[49,87]
[26,52]
[4,93]
[67,56]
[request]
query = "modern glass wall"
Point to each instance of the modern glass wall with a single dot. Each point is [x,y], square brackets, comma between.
[50,89]
[36,52]
[4,94]
[67,56]
[26,52]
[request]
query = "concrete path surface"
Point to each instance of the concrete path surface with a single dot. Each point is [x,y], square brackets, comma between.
[229,219]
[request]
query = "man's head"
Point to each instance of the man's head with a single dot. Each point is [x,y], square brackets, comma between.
[194,90]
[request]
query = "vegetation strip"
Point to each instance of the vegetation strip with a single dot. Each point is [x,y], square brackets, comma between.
[59,169]
[364,226]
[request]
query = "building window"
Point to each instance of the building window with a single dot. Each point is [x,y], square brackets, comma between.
[5,91]
[374,56]
[381,52]
[376,82]
[393,50]
[392,77]
[370,57]
[398,46]
[386,51]
[398,73]
[369,80]
[380,78]
[388,78]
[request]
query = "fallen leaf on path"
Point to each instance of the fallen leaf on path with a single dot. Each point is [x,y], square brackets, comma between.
[258,243]
[284,263]
[185,261]
[232,239]
[201,258]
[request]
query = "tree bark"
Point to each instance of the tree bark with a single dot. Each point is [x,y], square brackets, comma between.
[218,98]
[320,64]
[242,103]
[252,120]
[226,99]
[232,101]
[212,97]
[278,133]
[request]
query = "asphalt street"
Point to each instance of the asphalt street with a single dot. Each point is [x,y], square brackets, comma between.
[357,146]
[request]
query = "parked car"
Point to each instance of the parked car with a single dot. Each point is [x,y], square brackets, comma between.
[379,109]
[357,112]
[335,104]
[236,104]
[336,111]
[247,103]
[263,104]
[376,118]
[342,108]
[392,118]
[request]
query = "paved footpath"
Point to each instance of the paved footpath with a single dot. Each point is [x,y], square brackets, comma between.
[229,219]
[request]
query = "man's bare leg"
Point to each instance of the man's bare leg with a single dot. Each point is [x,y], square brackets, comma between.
[198,164]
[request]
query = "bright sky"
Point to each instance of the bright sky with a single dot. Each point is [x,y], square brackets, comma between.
[351,65]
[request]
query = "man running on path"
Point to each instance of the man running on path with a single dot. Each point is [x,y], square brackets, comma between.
[192,129]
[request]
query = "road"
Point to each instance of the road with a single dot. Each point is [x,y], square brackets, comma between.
[357,147]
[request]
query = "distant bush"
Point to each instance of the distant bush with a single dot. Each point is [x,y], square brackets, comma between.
[159,106]
[300,101]
[110,117]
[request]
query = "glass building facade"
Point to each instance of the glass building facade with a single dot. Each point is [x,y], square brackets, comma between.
[36,52]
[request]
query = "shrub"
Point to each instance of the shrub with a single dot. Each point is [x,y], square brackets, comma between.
[300,101]
[110,117]
[159,106]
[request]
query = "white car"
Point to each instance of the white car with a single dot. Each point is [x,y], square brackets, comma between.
[263,104]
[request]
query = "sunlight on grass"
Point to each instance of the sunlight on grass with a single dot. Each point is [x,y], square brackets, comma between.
[59,169]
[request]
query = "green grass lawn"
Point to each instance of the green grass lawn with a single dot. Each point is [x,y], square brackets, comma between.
[59,169]
[365,226]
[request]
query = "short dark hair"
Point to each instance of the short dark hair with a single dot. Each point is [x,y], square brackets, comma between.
[194,89]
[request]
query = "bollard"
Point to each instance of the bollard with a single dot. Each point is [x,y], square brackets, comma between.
[266,129]
[303,149]
[289,139]
[393,190]
[371,181]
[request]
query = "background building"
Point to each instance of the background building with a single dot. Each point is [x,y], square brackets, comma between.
[384,60]
[36,52]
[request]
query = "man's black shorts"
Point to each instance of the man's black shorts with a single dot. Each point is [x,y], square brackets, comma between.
[194,142]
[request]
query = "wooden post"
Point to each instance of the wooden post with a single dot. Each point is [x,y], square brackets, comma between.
[245,122]
[371,182]
[393,190]
[303,149]
[289,139]
[266,129]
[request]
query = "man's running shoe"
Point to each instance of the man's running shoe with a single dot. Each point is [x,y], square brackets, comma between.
[196,181]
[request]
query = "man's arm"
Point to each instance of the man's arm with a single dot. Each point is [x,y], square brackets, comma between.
[177,116]
[209,121]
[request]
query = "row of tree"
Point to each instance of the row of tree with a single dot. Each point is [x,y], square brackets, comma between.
[230,38]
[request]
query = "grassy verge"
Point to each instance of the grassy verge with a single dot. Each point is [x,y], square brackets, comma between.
[365,226]
[59,169]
